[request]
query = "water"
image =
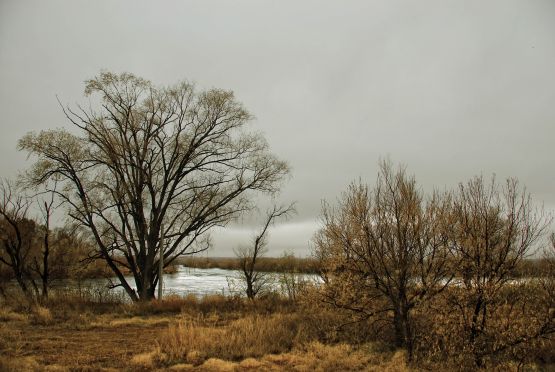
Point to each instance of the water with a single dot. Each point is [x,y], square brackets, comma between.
[186,281]
[200,282]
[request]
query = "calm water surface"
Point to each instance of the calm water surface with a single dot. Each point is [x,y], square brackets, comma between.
[186,280]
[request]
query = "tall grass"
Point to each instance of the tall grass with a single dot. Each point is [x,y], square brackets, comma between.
[251,336]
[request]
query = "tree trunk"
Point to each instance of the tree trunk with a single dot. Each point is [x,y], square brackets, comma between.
[250,291]
[146,288]
[22,285]
[403,330]
[45,269]
[475,329]
[399,334]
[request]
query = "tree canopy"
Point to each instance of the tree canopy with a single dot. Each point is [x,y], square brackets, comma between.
[147,158]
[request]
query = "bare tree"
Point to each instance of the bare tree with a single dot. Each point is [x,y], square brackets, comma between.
[494,229]
[254,280]
[26,241]
[18,236]
[41,262]
[150,156]
[384,251]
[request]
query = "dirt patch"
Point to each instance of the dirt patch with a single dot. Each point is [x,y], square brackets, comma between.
[96,348]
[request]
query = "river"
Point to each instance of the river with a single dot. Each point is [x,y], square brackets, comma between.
[186,281]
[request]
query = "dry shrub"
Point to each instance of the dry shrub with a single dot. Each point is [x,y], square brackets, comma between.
[330,324]
[71,303]
[252,336]
[519,330]
[216,303]
[96,295]
[190,304]
[170,304]
[234,305]
[41,315]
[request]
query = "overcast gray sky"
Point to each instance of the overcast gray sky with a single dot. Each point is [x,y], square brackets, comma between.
[450,88]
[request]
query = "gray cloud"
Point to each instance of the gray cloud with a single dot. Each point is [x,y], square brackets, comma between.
[449,88]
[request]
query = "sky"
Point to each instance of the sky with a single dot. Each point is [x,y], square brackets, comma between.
[451,89]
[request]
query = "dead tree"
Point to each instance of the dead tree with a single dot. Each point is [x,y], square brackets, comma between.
[41,261]
[18,237]
[248,256]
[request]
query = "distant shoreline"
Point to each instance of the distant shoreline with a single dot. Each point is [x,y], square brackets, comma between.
[264,264]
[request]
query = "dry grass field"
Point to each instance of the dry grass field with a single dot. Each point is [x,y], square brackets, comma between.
[72,332]
[212,334]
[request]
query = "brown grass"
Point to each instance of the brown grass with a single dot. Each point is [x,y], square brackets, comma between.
[41,315]
[251,336]
[311,357]
[210,334]
[184,334]
[8,315]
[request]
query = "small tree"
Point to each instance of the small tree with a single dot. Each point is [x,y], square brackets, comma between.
[41,262]
[18,235]
[149,157]
[248,256]
[25,243]
[385,251]
[494,229]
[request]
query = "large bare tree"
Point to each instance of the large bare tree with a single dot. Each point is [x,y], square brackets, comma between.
[148,157]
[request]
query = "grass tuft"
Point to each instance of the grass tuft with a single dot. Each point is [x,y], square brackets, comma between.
[41,315]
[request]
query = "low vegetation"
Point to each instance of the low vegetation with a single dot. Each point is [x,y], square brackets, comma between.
[101,331]
[210,333]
